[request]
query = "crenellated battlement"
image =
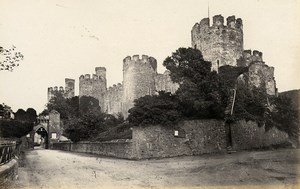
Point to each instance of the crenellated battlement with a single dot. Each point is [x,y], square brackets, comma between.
[94,85]
[67,92]
[69,80]
[89,77]
[115,88]
[56,88]
[220,43]
[253,56]
[218,21]
[135,59]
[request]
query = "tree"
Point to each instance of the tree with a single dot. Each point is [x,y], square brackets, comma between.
[87,104]
[85,127]
[21,115]
[5,111]
[14,128]
[187,64]
[284,116]
[9,58]
[250,104]
[31,115]
[45,112]
[59,103]
[201,93]
[157,109]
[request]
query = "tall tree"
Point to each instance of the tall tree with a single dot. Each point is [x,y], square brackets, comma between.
[202,93]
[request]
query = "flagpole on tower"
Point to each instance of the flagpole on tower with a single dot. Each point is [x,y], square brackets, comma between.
[208,8]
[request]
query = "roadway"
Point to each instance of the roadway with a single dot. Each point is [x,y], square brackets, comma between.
[256,169]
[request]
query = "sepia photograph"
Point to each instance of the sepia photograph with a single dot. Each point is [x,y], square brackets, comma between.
[149,94]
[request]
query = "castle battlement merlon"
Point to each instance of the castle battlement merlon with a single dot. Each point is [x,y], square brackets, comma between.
[69,80]
[115,87]
[136,59]
[218,21]
[254,56]
[93,77]
[56,88]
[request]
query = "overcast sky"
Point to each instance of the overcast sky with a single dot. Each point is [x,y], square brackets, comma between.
[67,38]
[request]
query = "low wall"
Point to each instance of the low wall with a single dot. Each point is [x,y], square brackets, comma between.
[247,135]
[121,148]
[8,172]
[193,138]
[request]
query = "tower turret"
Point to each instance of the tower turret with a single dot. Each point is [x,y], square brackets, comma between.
[139,79]
[94,86]
[220,44]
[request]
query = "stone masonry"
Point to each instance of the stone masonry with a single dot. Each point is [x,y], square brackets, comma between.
[220,44]
[223,45]
[68,92]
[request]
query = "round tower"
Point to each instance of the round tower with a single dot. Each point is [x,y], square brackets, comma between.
[139,79]
[220,44]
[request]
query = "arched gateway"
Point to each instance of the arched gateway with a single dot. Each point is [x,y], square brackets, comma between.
[46,130]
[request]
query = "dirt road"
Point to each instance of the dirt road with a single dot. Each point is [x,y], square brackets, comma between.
[58,169]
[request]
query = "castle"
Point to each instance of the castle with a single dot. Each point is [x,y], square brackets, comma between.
[220,44]
[68,92]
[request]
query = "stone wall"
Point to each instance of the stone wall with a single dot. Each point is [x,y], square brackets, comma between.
[121,148]
[188,138]
[54,125]
[193,137]
[8,173]
[247,135]
[163,82]
[94,86]
[114,99]
[259,74]
[54,90]
[69,88]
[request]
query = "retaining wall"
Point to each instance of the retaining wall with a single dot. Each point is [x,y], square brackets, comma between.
[121,148]
[191,137]
[8,172]
[247,135]
[187,138]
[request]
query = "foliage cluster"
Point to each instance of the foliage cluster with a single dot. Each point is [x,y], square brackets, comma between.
[20,126]
[157,109]
[15,128]
[204,94]
[201,94]
[82,117]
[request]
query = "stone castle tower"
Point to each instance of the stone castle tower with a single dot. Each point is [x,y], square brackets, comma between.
[220,44]
[94,86]
[138,79]
[68,92]
[223,45]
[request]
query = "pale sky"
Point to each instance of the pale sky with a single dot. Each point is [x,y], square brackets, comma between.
[66,38]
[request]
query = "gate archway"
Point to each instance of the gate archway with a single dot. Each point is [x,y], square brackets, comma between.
[40,133]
